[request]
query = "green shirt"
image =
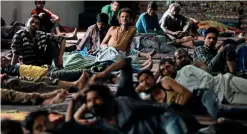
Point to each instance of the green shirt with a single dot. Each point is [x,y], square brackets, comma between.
[108,10]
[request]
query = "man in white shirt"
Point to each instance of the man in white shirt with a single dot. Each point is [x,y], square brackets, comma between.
[227,87]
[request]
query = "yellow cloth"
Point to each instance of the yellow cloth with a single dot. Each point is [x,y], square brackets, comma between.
[173,97]
[32,71]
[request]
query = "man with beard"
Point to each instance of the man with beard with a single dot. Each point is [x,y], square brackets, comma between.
[36,47]
[182,58]
[120,37]
[216,61]
[95,34]
[127,112]
[228,88]
[173,23]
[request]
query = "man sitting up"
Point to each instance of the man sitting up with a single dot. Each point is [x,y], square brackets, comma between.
[50,21]
[112,11]
[120,37]
[95,34]
[148,22]
[36,47]
[175,25]
[215,60]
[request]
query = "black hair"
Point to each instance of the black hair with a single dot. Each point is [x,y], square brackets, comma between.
[102,17]
[229,41]
[146,71]
[43,1]
[115,1]
[127,10]
[33,16]
[103,91]
[152,5]
[182,50]
[30,118]
[212,30]
[11,127]
[168,60]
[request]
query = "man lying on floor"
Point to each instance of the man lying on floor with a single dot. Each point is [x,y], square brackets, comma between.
[16,91]
[228,88]
[36,72]
[124,112]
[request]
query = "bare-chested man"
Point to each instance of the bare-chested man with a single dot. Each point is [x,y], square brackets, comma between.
[120,37]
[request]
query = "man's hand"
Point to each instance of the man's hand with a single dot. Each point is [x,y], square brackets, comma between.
[97,76]
[140,88]
[2,76]
[178,33]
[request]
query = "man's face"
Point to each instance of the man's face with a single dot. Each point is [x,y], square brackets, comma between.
[115,6]
[175,11]
[41,124]
[94,103]
[39,4]
[124,18]
[167,69]
[33,25]
[100,25]
[146,81]
[210,40]
[158,95]
[5,61]
[150,12]
[182,59]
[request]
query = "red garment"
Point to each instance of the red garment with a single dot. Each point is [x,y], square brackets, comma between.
[46,11]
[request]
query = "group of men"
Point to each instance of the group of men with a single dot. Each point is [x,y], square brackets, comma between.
[158,104]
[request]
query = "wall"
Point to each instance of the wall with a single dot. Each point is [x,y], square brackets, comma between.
[68,11]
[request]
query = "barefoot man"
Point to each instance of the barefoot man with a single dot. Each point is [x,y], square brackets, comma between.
[120,37]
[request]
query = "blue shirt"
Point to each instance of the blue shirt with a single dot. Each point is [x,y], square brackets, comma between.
[147,24]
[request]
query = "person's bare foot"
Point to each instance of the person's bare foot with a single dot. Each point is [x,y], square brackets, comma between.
[50,94]
[185,39]
[147,62]
[81,82]
[61,34]
[152,53]
[149,66]
[74,34]
[59,98]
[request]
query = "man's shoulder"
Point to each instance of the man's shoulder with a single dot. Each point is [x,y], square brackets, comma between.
[41,32]
[200,48]
[92,27]
[106,7]
[132,28]
[46,10]
[113,28]
[144,14]
[34,11]
[187,67]
[21,32]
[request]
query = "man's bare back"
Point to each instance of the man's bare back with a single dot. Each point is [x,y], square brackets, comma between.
[121,40]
